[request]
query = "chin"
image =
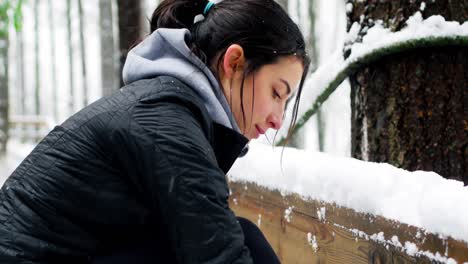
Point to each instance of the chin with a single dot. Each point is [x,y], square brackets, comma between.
[249,136]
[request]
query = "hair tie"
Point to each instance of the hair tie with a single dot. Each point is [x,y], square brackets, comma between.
[208,7]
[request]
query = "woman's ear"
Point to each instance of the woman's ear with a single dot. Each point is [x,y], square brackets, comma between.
[233,60]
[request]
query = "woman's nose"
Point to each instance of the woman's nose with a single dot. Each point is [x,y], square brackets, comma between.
[275,121]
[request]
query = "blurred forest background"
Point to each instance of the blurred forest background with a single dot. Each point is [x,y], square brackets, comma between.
[66,54]
[58,56]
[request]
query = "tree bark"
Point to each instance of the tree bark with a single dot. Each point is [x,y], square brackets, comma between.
[409,109]
[109,61]
[130,28]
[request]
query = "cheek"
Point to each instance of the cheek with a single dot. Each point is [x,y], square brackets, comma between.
[263,106]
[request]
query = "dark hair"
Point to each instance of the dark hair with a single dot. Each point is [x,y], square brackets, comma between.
[261,27]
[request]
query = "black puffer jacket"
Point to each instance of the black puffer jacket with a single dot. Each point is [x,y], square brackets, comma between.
[145,163]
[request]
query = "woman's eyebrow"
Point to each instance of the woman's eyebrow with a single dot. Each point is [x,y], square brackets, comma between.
[287,85]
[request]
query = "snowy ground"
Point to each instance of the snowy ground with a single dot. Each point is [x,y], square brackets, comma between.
[16,153]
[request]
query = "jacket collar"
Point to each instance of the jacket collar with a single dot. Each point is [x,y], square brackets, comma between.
[228,145]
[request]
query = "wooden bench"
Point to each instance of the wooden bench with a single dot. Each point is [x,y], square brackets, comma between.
[309,231]
[30,127]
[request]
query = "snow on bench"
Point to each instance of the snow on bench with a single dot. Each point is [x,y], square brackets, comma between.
[418,213]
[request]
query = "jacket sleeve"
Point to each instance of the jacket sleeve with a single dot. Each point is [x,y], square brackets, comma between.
[180,177]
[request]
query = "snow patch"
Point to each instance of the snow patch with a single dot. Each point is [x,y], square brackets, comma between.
[409,247]
[321,213]
[349,8]
[423,6]
[312,240]
[287,213]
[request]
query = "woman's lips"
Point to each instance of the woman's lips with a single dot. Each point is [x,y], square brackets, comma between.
[259,131]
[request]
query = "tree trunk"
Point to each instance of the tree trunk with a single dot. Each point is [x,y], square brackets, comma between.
[37,90]
[4,37]
[109,61]
[297,139]
[409,109]
[83,54]
[311,40]
[130,28]
[52,59]
[71,103]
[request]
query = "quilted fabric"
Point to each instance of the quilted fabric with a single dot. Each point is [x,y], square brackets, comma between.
[145,163]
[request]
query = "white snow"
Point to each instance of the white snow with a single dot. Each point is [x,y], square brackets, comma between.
[422,199]
[396,241]
[423,6]
[16,153]
[379,237]
[349,8]
[409,247]
[312,240]
[321,213]
[378,37]
[353,33]
[287,213]
[365,139]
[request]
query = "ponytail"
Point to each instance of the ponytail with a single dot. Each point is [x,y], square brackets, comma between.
[177,13]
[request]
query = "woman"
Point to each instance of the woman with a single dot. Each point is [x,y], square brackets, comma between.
[141,174]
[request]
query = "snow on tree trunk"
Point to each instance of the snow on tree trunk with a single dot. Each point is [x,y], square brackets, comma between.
[130,27]
[408,110]
[109,67]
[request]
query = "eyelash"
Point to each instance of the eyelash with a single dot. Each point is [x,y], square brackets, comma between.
[276,94]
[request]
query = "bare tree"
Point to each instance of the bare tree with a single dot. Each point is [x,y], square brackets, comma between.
[71,104]
[130,27]
[52,59]
[109,61]
[297,140]
[83,54]
[4,38]
[37,88]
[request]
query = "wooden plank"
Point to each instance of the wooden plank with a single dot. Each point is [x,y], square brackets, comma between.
[335,243]
[43,121]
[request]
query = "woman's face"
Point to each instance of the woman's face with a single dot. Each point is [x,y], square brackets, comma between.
[265,93]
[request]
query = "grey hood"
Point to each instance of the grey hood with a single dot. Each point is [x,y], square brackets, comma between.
[165,52]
